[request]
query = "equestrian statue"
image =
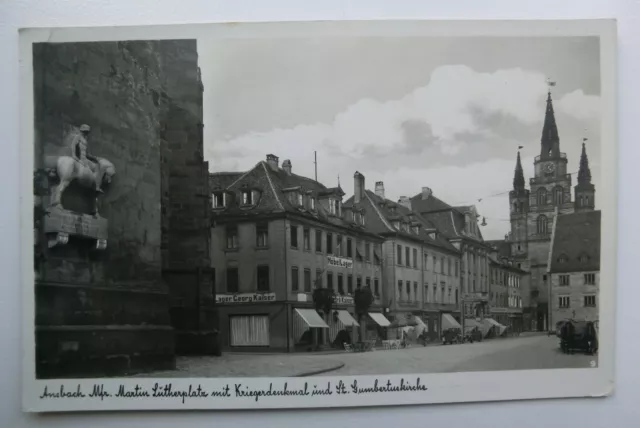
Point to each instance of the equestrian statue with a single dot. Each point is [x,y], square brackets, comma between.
[88,171]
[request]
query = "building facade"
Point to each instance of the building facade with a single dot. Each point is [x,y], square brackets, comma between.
[532,213]
[459,226]
[505,295]
[277,237]
[421,268]
[574,267]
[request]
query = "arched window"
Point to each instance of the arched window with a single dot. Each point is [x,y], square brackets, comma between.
[542,225]
[586,200]
[542,196]
[558,195]
[581,202]
[521,207]
[515,207]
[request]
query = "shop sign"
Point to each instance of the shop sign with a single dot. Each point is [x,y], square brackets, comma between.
[344,300]
[340,262]
[246,298]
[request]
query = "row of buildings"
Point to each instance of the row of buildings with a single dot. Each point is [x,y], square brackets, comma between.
[277,236]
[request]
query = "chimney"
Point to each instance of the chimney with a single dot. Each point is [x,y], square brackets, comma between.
[380,189]
[286,165]
[426,192]
[272,160]
[358,187]
[405,202]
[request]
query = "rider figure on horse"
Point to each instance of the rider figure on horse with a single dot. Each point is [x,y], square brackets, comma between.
[79,153]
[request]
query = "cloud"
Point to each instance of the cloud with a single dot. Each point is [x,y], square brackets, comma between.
[457,134]
[579,105]
[445,104]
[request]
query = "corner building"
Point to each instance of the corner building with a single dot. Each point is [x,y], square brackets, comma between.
[278,236]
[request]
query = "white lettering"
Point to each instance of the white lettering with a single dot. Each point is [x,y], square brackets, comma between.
[246,298]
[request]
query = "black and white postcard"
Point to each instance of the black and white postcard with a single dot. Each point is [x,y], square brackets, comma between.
[317,214]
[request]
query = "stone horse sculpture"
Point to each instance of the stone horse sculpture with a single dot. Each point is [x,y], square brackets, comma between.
[68,169]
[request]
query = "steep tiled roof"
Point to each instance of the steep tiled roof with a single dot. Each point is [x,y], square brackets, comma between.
[381,212]
[503,247]
[446,218]
[273,185]
[430,204]
[576,243]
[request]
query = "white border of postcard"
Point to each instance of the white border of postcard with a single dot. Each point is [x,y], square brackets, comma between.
[440,388]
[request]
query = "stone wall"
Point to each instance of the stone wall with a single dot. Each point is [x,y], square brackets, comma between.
[186,256]
[106,312]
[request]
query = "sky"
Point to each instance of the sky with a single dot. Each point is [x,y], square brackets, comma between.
[444,113]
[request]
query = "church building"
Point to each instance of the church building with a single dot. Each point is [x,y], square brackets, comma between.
[532,214]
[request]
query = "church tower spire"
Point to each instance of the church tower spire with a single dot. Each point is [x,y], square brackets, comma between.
[518,177]
[550,141]
[584,190]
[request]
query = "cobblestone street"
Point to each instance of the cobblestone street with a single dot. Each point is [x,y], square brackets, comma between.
[521,353]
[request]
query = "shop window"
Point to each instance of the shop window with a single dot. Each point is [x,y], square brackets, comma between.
[249,330]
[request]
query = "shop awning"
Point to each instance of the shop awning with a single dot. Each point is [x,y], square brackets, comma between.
[470,323]
[379,319]
[346,319]
[448,321]
[496,324]
[311,317]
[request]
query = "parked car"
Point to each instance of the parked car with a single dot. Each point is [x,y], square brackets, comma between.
[578,336]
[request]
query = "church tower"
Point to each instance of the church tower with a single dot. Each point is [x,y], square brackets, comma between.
[585,191]
[519,203]
[550,195]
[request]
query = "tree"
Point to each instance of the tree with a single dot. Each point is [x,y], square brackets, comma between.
[323,299]
[363,299]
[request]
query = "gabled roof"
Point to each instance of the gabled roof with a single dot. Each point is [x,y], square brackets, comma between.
[273,186]
[576,243]
[448,219]
[380,214]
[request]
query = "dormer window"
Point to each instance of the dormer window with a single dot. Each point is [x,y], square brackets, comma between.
[353,216]
[416,229]
[392,209]
[396,225]
[583,258]
[247,197]
[338,210]
[332,206]
[562,259]
[362,219]
[300,202]
[219,200]
[313,202]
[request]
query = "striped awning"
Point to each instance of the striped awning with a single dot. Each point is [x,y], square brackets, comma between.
[448,321]
[380,319]
[346,319]
[311,318]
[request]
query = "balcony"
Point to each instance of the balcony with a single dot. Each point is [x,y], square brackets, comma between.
[562,156]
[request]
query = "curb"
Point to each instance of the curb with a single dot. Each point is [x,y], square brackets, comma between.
[316,372]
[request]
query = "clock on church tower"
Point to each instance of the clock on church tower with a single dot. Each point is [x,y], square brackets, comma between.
[550,167]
